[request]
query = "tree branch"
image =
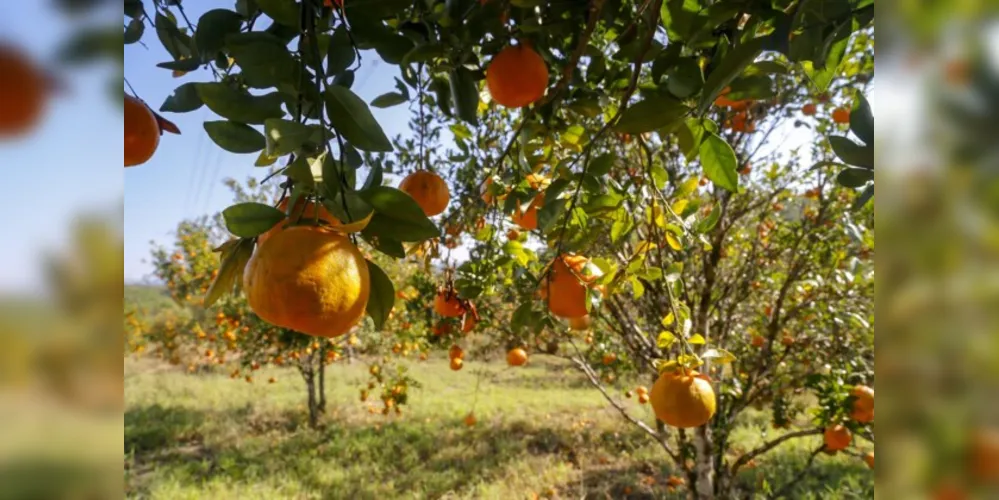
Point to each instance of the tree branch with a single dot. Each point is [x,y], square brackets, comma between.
[797,477]
[769,445]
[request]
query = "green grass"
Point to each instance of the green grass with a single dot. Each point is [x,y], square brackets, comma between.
[207,436]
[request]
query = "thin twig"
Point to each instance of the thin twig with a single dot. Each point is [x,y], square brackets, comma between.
[769,445]
[797,477]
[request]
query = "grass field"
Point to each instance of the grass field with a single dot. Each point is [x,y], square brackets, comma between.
[541,430]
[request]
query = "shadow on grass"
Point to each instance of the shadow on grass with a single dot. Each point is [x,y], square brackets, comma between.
[342,460]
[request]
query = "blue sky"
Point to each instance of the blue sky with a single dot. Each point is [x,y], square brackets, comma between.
[184,178]
[68,165]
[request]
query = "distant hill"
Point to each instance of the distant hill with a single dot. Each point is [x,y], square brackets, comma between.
[149,297]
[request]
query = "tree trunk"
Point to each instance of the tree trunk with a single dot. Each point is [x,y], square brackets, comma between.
[310,384]
[704,467]
[322,379]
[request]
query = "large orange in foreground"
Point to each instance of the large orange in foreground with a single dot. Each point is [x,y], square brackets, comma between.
[304,211]
[447,304]
[428,190]
[565,291]
[683,400]
[23,93]
[142,132]
[517,76]
[308,279]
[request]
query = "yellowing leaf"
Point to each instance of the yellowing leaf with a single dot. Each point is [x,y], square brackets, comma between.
[353,227]
[668,319]
[673,242]
[689,360]
[696,339]
[720,356]
[665,339]
[689,186]
[645,247]
[680,206]
[667,366]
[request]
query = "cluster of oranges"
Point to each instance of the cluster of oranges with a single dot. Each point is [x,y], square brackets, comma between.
[741,119]
[839,114]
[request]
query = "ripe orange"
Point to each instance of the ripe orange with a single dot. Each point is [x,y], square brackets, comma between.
[528,219]
[142,132]
[469,322]
[513,235]
[609,358]
[869,459]
[643,398]
[517,76]
[456,352]
[809,109]
[457,364]
[447,304]
[683,400]
[758,341]
[428,190]
[22,93]
[580,323]
[470,419]
[641,390]
[442,328]
[516,357]
[566,292]
[841,115]
[304,211]
[310,280]
[837,437]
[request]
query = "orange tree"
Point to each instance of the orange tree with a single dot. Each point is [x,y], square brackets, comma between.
[589,124]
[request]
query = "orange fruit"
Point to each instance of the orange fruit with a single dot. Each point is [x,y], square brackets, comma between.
[442,328]
[643,398]
[675,481]
[304,211]
[836,437]
[863,392]
[23,93]
[456,352]
[641,390]
[566,292]
[809,109]
[869,459]
[758,341]
[609,358]
[580,323]
[142,132]
[528,219]
[517,76]
[470,419]
[841,115]
[428,190]
[683,400]
[308,279]
[983,455]
[516,357]
[457,364]
[513,235]
[447,304]
[861,415]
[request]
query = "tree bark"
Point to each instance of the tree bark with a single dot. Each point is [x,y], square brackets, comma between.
[310,384]
[704,466]
[322,379]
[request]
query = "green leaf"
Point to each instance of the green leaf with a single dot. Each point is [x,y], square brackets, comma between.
[213,27]
[183,100]
[235,137]
[345,79]
[351,117]
[341,53]
[239,106]
[601,165]
[719,163]
[387,246]
[285,136]
[250,219]
[283,11]
[466,95]
[720,356]
[864,197]
[388,100]
[134,30]
[820,76]
[382,297]
[176,43]
[393,48]
[652,113]
[187,64]
[854,177]
[685,79]
[680,18]
[730,67]
[263,58]
[374,176]
[234,259]
[755,87]
[708,223]
[862,120]
[852,153]
[397,216]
